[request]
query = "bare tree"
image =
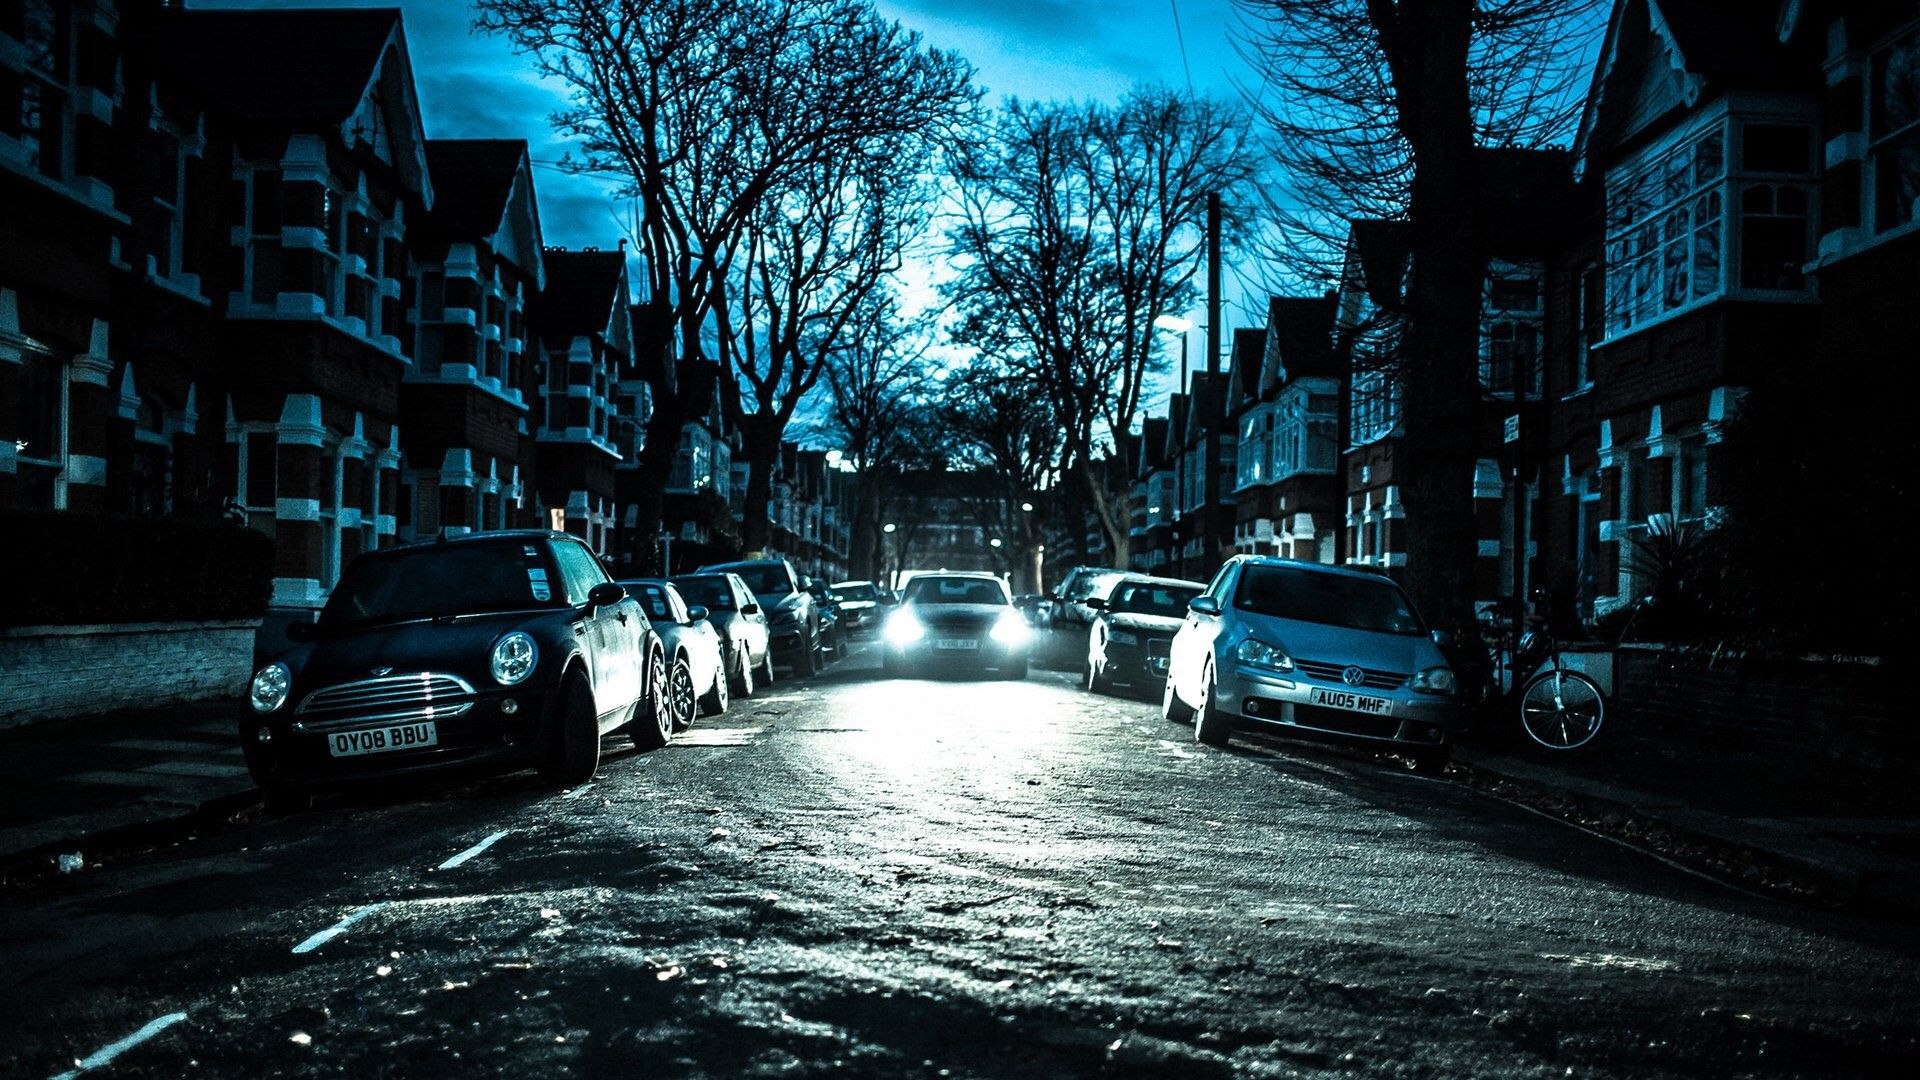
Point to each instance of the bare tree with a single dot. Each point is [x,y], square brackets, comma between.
[1079,225]
[704,107]
[996,423]
[1375,109]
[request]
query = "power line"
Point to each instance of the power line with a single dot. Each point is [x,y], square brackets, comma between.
[1180,36]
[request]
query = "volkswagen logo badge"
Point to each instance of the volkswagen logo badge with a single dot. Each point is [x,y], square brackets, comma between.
[1354,676]
[389,671]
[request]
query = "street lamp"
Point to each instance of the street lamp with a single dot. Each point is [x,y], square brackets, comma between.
[889,527]
[1027,506]
[1178,325]
[994,543]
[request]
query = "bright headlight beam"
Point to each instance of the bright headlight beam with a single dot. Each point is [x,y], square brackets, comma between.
[1011,630]
[904,629]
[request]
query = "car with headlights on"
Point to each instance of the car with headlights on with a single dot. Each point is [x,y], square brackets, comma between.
[696,679]
[956,620]
[745,649]
[513,648]
[1133,627]
[1319,650]
[792,620]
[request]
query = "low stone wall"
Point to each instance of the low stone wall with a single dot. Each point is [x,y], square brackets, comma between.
[49,671]
[1837,708]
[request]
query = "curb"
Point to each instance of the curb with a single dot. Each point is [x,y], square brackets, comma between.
[1729,850]
[40,862]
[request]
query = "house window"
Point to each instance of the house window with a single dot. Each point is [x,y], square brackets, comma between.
[1775,236]
[1894,128]
[1664,232]
[263,244]
[33,103]
[1510,347]
[40,422]
[1690,479]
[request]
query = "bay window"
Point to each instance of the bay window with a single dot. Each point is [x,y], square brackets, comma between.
[1894,131]
[34,102]
[40,424]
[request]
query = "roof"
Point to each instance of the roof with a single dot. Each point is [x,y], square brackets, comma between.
[1204,400]
[472,179]
[583,289]
[1249,346]
[1299,338]
[1176,420]
[306,65]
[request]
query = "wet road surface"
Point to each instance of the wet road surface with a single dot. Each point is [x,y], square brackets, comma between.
[851,875]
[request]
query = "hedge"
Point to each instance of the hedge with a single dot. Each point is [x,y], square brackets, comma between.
[67,568]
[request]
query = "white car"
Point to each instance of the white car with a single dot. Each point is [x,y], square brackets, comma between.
[696,680]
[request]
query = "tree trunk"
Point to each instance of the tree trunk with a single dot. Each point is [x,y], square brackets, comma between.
[1435,463]
[762,448]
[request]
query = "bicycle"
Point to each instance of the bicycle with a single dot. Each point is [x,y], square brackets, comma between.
[1558,708]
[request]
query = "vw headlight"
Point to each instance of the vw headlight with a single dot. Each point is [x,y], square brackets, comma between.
[903,629]
[269,689]
[1257,653]
[1435,680]
[514,658]
[1010,630]
[1123,637]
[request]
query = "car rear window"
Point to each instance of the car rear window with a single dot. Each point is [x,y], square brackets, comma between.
[708,592]
[1356,603]
[765,579]
[1131,598]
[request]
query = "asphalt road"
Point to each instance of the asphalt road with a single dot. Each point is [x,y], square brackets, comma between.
[854,876]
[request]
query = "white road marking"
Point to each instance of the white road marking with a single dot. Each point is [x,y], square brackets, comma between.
[475,849]
[337,929]
[107,1053]
[576,792]
[718,737]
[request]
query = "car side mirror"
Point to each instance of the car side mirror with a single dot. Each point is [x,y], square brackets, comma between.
[1096,603]
[696,614]
[749,609]
[300,630]
[605,594]
[1204,605]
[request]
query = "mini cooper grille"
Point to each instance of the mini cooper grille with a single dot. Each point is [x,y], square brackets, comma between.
[1331,673]
[392,699]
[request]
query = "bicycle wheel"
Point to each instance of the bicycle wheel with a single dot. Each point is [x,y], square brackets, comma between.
[1562,710]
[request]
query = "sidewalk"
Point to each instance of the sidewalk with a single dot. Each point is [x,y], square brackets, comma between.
[66,782]
[1805,827]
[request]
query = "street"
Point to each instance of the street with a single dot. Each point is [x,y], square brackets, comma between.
[852,875]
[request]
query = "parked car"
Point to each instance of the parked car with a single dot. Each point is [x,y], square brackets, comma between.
[859,604]
[1311,648]
[696,679]
[1133,626]
[1069,616]
[782,595]
[833,633]
[1033,608]
[963,620]
[507,647]
[746,650]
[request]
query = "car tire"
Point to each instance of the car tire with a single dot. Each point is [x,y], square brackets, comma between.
[1172,709]
[572,750]
[1211,725]
[766,666]
[1014,671]
[685,701]
[809,662]
[652,728]
[714,701]
[743,678]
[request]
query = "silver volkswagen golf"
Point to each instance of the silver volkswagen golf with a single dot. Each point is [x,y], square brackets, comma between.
[1313,648]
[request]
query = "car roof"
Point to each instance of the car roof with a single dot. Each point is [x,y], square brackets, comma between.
[496,536]
[981,575]
[1315,567]
[712,568]
[1149,579]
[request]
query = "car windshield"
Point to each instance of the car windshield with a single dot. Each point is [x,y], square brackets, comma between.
[451,579]
[955,590]
[861,591]
[1142,598]
[765,579]
[708,592]
[652,598]
[1355,603]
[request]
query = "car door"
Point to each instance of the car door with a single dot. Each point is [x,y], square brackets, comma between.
[599,630]
[753,619]
[1193,644]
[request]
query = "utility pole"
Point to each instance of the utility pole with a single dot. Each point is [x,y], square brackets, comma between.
[1216,409]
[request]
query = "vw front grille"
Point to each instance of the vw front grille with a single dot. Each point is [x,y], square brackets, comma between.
[1333,673]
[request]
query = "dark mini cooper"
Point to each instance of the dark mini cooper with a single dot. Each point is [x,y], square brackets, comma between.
[513,648]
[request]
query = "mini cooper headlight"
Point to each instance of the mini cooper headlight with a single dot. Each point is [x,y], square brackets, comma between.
[1010,630]
[903,629]
[1258,653]
[1435,680]
[269,689]
[514,657]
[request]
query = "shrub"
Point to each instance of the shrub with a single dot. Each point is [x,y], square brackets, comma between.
[67,568]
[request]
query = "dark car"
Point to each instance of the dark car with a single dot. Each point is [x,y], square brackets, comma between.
[513,648]
[696,678]
[860,605]
[833,631]
[1069,617]
[1034,608]
[1133,625]
[746,650]
[957,620]
[791,618]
